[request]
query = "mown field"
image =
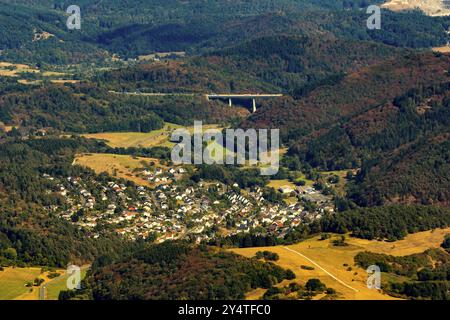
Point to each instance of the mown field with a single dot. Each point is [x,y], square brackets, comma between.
[156,138]
[15,70]
[276,184]
[137,139]
[13,283]
[119,166]
[430,7]
[59,284]
[443,49]
[8,69]
[13,280]
[340,186]
[335,266]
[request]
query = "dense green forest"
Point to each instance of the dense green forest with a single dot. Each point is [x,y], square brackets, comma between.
[417,173]
[178,271]
[32,237]
[134,27]
[385,128]
[356,93]
[289,64]
[388,222]
[87,108]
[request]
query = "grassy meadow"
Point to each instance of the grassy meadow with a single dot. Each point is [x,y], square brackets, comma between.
[335,266]
[13,283]
[120,166]
[156,138]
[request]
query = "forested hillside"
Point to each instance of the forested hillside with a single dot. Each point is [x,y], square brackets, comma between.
[401,145]
[347,105]
[416,173]
[356,93]
[134,27]
[87,108]
[290,64]
[424,276]
[364,117]
[179,271]
[27,228]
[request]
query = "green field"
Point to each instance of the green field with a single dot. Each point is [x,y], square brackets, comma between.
[276,184]
[137,139]
[13,280]
[156,138]
[59,284]
[341,185]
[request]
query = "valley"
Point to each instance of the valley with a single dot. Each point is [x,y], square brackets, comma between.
[359,119]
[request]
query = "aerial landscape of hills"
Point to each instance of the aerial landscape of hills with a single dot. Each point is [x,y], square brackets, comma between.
[86,170]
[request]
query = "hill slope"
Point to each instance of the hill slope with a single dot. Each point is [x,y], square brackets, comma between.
[135,27]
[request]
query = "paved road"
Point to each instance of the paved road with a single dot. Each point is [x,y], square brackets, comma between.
[43,288]
[209,96]
[321,268]
[156,94]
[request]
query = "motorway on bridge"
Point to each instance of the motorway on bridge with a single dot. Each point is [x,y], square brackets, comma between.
[230,96]
[243,96]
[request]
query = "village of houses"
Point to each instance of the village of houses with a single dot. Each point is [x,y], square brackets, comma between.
[171,210]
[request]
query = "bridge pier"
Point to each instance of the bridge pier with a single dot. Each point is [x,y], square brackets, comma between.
[247,97]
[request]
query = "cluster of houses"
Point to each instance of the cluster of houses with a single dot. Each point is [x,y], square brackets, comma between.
[160,176]
[171,211]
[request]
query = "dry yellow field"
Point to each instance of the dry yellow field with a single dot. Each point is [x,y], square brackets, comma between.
[16,69]
[157,138]
[276,184]
[64,81]
[413,243]
[8,69]
[429,7]
[53,74]
[328,261]
[133,139]
[13,280]
[8,128]
[444,49]
[122,165]
[23,81]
